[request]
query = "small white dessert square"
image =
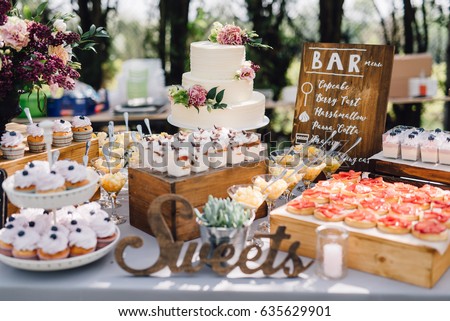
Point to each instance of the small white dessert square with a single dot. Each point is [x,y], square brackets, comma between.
[199,161]
[217,158]
[235,155]
[429,150]
[444,152]
[178,163]
[391,145]
[410,148]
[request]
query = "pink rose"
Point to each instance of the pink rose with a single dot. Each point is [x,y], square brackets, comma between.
[197,96]
[14,33]
[247,73]
[230,35]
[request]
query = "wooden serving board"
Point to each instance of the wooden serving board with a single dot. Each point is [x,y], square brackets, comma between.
[418,265]
[393,168]
[145,185]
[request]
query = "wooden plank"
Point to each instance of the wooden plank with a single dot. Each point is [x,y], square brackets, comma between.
[417,265]
[344,88]
[395,169]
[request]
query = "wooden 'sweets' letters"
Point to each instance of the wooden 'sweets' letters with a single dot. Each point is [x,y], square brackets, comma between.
[170,250]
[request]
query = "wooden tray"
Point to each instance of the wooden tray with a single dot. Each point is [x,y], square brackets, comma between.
[418,265]
[392,168]
[144,185]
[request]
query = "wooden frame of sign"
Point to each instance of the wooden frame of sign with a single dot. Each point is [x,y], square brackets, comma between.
[344,88]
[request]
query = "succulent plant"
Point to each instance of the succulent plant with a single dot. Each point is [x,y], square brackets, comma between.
[220,212]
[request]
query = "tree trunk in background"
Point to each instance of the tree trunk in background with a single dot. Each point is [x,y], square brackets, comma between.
[163,4]
[270,20]
[408,18]
[330,17]
[91,12]
[447,82]
[179,14]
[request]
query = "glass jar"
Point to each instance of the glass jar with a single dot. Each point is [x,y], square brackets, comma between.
[331,252]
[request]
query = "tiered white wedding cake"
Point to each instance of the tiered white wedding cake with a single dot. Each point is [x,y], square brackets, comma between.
[218,91]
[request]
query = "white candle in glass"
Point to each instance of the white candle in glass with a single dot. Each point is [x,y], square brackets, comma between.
[332,260]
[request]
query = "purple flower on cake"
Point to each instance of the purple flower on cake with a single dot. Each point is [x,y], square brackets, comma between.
[230,35]
[197,96]
[234,35]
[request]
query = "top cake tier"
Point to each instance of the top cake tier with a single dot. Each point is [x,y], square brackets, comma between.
[214,61]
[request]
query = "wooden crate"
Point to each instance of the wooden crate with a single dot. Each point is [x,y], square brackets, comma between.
[418,265]
[74,151]
[145,185]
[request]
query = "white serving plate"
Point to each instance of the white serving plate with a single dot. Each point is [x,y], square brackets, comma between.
[52,200]
[63,264]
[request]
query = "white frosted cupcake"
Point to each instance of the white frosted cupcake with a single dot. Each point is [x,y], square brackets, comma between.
[75,223]
[38,166]
[62,133]
[252,146]
[82,240]
[18,220]
[12,146]
[35,138]
[24,181]
[53,246]
[105,230]
[25,245]
[40,224]
[90,215]
[7,236]
[81,128]
[58,228]
[74,174]
[50,183]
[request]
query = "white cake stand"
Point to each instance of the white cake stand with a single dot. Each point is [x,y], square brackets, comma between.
[170,120]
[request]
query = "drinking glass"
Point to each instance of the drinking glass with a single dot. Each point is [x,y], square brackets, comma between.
[312,170]
[333,162]
[249,197]
[101,167]
[113,183]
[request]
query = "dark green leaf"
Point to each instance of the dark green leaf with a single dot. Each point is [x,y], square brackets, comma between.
[219,96]
[208,108]
[223,106]
[80,30]
[211,93]
[40,9]
[198,110]
[92,30]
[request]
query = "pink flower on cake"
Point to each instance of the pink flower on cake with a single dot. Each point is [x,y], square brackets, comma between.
[14,33]
[230,35]
[247,73]
[197,96]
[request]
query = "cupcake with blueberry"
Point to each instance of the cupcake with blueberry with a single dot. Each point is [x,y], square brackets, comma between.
[7,236]
[24,181]
[37,166]
[75,176]
[62,133]
[105,229]
[50,183]
[53,246]
[40,224]
[58,229]
[25,244]
[81,128]
[12,146]
[18,220]
[35,138]
[75,223]
[83,240]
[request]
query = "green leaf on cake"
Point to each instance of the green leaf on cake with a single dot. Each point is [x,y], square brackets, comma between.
[198,110]
[211,93]
[219,96]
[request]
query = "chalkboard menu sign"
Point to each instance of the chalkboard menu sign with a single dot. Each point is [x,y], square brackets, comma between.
[344,88]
